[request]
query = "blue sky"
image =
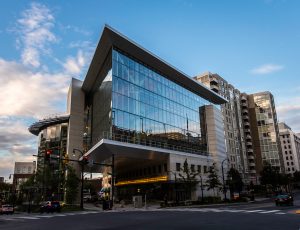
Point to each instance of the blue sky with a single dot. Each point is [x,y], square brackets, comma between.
[253,44]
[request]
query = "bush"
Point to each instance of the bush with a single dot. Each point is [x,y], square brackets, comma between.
[210,199]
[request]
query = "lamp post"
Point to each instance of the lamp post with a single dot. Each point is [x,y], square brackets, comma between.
[201,184]
[82,177]
[224,186]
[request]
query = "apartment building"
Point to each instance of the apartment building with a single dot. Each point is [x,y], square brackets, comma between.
[233,120]
[264,131]
[290,145]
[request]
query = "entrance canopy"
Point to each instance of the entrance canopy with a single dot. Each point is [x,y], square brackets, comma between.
[128,154]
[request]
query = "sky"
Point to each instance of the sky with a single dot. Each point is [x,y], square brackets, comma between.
[253,44]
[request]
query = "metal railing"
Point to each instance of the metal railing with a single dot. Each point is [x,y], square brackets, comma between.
[152,141]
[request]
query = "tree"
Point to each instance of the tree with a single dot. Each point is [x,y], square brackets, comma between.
[234,181]
[188,178]
[269,176]
[71,185]
[213,181]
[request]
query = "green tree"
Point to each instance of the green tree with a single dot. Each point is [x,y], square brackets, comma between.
[71,185]
[270,177]
[213,181]
[234,181]
[188,177]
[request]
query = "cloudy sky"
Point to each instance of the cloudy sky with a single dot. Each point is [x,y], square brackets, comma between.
[252,44]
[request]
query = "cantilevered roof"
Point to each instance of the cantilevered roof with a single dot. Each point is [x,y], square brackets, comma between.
[111,38]
[38,126]
[132,153]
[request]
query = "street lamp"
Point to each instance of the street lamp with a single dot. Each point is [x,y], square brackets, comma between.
[201,184]
[82,177]
[224,186]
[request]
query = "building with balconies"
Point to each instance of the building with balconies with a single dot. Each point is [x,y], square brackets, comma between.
[264,131]
[233,118]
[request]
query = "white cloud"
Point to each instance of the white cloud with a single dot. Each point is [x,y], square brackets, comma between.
[74,65]
[16,144]
[289,112]
[34,30]
[28,93]
[267,69]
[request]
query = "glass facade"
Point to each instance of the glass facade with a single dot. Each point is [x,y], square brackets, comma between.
[267,129]
[147,104]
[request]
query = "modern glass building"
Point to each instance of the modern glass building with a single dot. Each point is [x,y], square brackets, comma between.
[140,109]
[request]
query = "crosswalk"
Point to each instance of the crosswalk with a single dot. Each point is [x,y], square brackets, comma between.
[277,212]
[201,210]
[21,217]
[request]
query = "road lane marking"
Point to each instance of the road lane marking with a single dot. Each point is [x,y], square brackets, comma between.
[43,216]
[28,217]
[280,213]
[254,211]
[270,211]
[232,210]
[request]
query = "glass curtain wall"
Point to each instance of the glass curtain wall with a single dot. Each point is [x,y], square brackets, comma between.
[146,104]
[268,135]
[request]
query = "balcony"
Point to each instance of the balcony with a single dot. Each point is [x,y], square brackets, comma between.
[251,164]
[247,131]
[246,117]
[127,136]
[249,143]
[252,171]
[249,150]
[245,111]
[250,157]
[244,104]
[248,137]
[214,87]
[214,81]
[246,124]
[243,98]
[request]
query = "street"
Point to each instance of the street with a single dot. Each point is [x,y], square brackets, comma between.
[244,216]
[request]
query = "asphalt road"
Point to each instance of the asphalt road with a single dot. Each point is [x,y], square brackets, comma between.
[257,216]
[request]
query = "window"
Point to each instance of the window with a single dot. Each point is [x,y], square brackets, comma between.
[291,157]
[178,167]
[193,168]
[199,168]
[205,169]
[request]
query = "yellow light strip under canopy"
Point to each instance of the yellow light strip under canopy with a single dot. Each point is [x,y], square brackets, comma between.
[143,180]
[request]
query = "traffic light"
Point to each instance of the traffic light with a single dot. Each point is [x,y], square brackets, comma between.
[85,160]
[48,154]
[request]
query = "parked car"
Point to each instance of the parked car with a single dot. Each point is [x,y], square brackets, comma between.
[282,199]
[7,209]
[50,206]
